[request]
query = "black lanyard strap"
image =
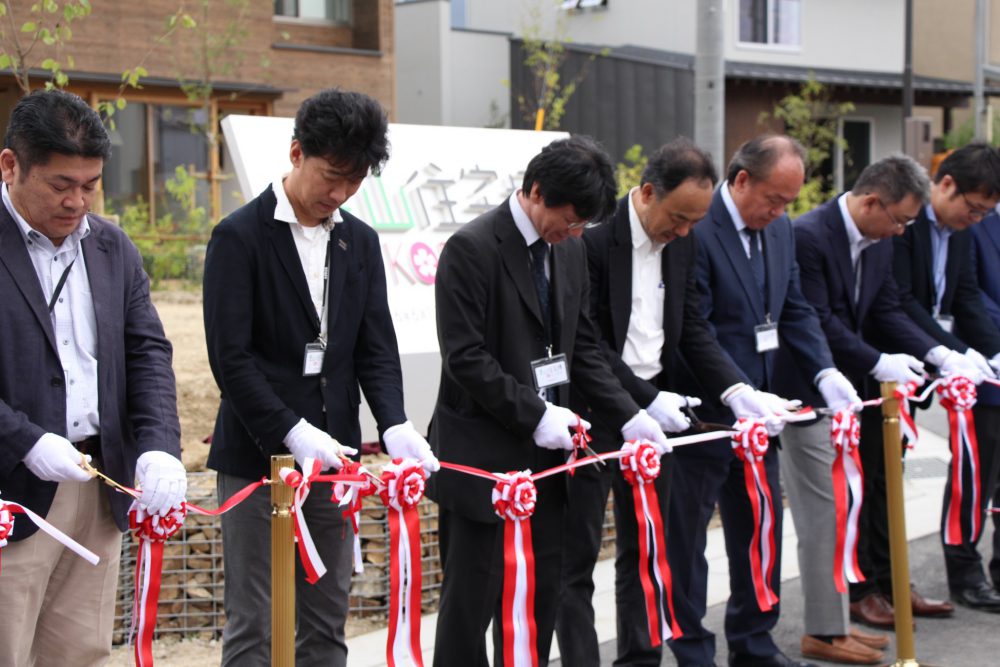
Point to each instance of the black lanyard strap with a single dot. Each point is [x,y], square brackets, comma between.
[59,286]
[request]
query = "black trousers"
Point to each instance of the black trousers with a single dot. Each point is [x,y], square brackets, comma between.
[472,587]
[588,497]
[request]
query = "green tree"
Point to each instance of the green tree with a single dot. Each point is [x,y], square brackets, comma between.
[629,171]
[812,117]
[38,38]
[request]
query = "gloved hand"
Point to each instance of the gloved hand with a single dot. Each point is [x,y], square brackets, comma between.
[899,368]
[837,391]
[644,427]
[956,363]
[163,481]
[995,363]
[553,428]
[779,407]
[55,459]
[403,441]
[979,361]
[748,403]
[305,441]
[666,410]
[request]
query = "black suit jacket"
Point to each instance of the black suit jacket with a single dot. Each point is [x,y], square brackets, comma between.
[259,318]
[914,272]
[827,277]
[136,393]
[609,258]
[490,330]
[732,303]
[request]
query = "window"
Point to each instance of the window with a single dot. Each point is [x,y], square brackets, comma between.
[327,11]
[583,4]
[772,22]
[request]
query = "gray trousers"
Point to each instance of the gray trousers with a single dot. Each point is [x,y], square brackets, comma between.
[806,463]
[321,608]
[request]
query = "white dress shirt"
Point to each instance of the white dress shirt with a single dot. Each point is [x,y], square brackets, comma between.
[528,231]
[73,320]
[644,341]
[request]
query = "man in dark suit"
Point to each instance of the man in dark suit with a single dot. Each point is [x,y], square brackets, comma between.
[939,291]
[749,284]
[986,254]
[845,260]
[645,302]
[512,292]
[85,374]
[296,316]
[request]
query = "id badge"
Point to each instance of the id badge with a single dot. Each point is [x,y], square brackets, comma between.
[312,363]
[550,371]
[766,336]
[946,322]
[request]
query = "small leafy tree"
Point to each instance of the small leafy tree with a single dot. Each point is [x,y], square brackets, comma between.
[45,26]
[629,171]
[811,117]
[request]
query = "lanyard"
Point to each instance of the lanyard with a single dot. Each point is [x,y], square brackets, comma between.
[326,287]
[59,286]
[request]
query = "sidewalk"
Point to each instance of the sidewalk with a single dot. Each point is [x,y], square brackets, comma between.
[975,635]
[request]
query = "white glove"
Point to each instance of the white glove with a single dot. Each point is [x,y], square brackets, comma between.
[644,427]
[956,363]
[553,428]
[305,441]
[899,368]
[666,410]
[55,459]
[163,481]
[748,403]
[979,361]
[402,441]
[837,391]
[995,363]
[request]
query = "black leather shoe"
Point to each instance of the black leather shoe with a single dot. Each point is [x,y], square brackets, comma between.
[777,660]
[982,597]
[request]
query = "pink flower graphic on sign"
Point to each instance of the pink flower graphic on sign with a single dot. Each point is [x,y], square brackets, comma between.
[425,263]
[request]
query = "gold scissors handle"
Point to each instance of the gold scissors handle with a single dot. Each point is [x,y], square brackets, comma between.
[94,472]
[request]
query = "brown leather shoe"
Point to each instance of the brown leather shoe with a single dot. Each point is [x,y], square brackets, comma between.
[928,607]
[870,639]
[874,610]
[843,649]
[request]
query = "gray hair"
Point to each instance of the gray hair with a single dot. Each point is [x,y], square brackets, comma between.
[893,179]
[759,155]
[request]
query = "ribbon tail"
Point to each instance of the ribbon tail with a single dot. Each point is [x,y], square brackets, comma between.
[768,541]
[756,572]
[411,522]
[840,511]
[953,521]
[149,568]
[856,483]
[662,567]
[649,594]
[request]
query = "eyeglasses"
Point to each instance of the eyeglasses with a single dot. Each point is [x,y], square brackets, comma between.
[975,211]
[898,223]
[586,224]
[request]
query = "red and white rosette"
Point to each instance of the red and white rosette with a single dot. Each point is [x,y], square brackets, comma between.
[514,498]
[151,531]
[641,465]
[6,525]
[750,444]
[958,396]
[848,493]
[302,481]
[350,495]
[908,427]
[402,488]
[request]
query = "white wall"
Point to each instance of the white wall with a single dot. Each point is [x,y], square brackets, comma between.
[480,66]
[422,86]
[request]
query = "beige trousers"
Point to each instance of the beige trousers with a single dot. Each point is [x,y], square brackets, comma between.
[56,609]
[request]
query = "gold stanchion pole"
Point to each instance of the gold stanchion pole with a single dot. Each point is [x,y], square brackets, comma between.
[282,567]
[906,655]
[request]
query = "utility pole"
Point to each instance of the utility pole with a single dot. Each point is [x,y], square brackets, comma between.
[907,65]
[710,82]
[979,85]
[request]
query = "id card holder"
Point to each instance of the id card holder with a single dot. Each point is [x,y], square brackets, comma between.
[550,372]
[946,322]
[766,336]
[312,362]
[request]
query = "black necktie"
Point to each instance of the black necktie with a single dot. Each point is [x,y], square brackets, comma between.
[539,252]
[757,263]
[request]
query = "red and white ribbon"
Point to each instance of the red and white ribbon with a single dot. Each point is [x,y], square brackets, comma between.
[151,531]
[402,488]
[848,493]
[514,499]
[750,444]
[9,509]
[958,395]
[349,495]
[581,443]
[908,427]
[302,481]
[641,465]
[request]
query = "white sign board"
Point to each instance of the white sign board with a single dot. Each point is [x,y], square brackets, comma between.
[437,179]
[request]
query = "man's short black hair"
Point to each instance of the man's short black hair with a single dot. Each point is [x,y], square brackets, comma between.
[346,128]
[54,121]
[893,179]
[974,168]
[574,171]
[674,163]
[759,155]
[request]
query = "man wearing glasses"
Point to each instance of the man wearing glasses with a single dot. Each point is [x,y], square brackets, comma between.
[939,290]
[845,262]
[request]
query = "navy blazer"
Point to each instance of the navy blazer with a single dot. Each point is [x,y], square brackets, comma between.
[914,272]
[135,383]
[259,318]
[823,251]
[609,259]
[986,266]
[732,303]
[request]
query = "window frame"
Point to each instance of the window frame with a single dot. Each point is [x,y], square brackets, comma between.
[310,21]
[768,45]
